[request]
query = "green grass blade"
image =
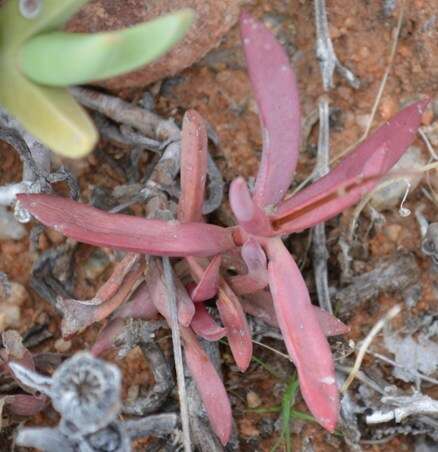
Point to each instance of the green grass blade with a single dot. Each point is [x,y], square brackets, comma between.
[302,416]
[62,59]
[287,403]
[286,406]
[50,114]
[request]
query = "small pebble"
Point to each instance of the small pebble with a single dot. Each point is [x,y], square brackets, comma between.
[10,228]
[388,108]
[393,232]
[17,294]
[11,300]
[248,429]
[62,346]
[55,237]
[362,121]
[253,400]
[9,316]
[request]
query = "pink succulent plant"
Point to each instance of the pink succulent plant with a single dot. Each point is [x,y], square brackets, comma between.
[263,217]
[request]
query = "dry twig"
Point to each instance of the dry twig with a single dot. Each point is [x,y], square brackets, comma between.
[394,274]
[395,310]
[325,53]
[319,248]
[177,352]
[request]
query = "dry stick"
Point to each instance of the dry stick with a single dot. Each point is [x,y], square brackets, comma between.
[177,351]
[395,310]
[147,122]
[319,249]
[396,273]
[325,53]
[39,152]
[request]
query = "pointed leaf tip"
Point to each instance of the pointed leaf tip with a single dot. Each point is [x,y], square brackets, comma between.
[250,216]
[64,59]
[194,158]
[356,175]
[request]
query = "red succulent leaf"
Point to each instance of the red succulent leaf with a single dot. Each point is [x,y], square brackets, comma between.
[260,305]
[204,325]
[186,308]
[330,325]
[96,227]
[232,316]
[234,320]
[256,278]
[249,215]
[210,386]
[115,281]
[303,336]
[139,306]
[207,380]
[194,156]
[208,284]
[77,316]
[106,336]
[276,93]
[355,176]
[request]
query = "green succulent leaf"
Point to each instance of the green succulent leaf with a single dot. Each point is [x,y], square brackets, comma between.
[63,59]
[50,114]
[15,29]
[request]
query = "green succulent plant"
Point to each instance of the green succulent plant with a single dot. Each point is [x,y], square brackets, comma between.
[38,62]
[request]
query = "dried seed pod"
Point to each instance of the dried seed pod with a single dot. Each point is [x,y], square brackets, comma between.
[86,392]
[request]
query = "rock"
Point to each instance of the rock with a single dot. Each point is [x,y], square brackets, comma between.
[17,295]
[10,228]
[253,400]
[62,345]
[214,19]
[11,298]
[392,195]
[393,232]
[9,316]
